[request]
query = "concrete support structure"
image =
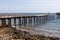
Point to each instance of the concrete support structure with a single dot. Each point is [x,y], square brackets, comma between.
[27,21]
[3,22]
[42,19]
[34,20]
[37,20]
[45,18]
[19,21]
[24,20]
[15,22]
[30,21]
[9,22]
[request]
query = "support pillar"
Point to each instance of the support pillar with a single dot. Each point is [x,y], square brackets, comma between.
[25,21]
[34,20]
[30,21]
[37,20]
[9,22]
[15,22]
[3,22]
[45,18]
[19,21]
[41,20]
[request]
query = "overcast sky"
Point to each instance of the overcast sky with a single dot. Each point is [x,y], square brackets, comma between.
[29,6]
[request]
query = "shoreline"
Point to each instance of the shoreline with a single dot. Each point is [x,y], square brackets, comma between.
[40,32]
[23,34]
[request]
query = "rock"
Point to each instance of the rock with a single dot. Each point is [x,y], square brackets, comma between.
[10,33]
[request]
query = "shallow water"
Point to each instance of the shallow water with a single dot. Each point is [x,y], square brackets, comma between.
[52,26]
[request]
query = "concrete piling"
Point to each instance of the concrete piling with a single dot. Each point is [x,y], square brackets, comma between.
[3,22]
[15,22]
[9,22]
[19,21]
[34,20]
[30,21]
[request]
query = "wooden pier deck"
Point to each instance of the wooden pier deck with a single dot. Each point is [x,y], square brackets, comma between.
[22,18]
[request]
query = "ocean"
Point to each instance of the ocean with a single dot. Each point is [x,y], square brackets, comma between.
[52,25]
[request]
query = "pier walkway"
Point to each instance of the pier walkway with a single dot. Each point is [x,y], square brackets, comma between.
[24,19]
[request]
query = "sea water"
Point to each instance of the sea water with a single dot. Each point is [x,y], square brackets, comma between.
[52,25]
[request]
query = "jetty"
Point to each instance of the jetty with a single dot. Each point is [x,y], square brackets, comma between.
[23,19]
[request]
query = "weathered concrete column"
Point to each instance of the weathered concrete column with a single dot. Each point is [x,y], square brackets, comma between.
[45,18]
[37,20]
[30,21]
[25,21]
[9,22]
[22,21]
[34,21]
[41,20]
[19,21]
[3,22]
[15,22]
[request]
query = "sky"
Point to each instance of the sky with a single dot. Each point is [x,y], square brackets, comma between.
[29,6]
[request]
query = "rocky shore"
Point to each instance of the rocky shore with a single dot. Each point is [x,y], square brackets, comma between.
[10,33]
